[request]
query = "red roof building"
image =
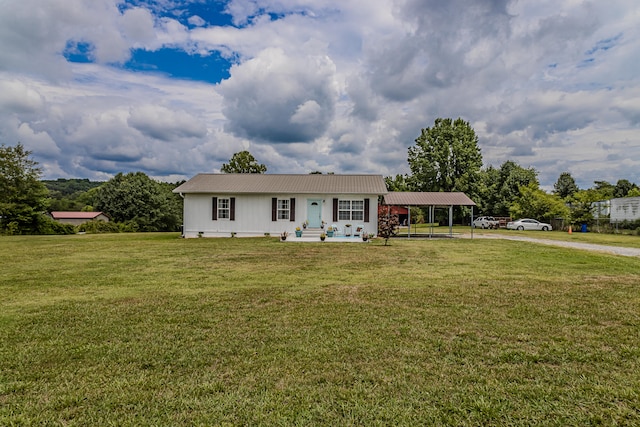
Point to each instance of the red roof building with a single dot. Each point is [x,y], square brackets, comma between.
[77,218]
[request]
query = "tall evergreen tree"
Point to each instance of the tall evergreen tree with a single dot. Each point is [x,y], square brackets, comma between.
[23,198]
[565,186]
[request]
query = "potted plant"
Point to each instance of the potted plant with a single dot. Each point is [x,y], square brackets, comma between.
[283,236]
[365,236]
[330,231]
[304,224]
[298,232]
[322,224]
[347,230]
[323,236]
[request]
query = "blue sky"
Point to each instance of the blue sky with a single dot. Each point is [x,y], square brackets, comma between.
[174,88]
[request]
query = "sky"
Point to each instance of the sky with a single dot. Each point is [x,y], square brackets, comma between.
[175,88]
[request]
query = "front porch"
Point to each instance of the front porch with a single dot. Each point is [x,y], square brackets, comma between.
[313,235]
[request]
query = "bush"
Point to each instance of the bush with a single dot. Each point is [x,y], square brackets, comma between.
[97,227]
[46,225]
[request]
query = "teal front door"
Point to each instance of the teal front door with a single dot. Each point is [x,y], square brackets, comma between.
[314,213]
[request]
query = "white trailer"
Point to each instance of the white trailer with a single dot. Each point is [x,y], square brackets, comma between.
[625,209]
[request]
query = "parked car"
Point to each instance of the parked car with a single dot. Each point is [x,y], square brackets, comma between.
[485,222]
[528,224]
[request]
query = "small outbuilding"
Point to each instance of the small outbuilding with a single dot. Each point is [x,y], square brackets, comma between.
[77,218]
[432,200]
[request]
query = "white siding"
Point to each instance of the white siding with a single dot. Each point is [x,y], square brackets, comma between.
[253,214]
[625,209]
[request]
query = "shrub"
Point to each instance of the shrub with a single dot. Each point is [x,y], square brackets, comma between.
[46,225]
[97,227]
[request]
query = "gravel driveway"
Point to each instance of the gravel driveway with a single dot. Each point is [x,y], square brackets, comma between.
[617,250]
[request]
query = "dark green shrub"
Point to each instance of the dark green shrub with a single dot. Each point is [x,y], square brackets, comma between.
[47,225]
[98,227]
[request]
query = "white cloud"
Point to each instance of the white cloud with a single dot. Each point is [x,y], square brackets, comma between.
[271,97]
[165,124]
[19,98]
[337,86]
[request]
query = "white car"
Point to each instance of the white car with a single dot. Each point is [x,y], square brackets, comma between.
[528,224]
[485,222]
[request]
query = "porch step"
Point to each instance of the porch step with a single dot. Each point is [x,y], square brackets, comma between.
[312,232]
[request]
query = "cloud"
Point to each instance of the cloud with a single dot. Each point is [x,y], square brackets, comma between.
[277,98]
[19,98]
[333,85]
[162,123]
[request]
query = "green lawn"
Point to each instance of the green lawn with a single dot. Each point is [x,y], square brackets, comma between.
[621,239]
[151,329]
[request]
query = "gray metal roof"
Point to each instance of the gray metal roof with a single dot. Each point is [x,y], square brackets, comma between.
[427,199]
[283,184]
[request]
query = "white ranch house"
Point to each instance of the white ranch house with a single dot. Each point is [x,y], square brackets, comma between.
[221,205]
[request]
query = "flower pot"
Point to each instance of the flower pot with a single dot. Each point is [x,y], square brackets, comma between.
[329,233]
[298,233]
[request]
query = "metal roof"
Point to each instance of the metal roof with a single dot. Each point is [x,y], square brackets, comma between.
[75,215]
[427,199]
[284,184]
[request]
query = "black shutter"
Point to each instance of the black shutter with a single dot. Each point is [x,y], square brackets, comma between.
[214,210]
[292,213]
[232,209]
[274,209]
[335,210]
[366,210]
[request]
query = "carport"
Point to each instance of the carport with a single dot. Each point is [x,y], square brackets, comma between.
[432,200]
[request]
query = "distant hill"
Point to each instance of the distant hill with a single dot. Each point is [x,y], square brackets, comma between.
[68,187]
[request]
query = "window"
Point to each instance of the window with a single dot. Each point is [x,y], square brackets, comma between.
[283,209]
[351,210]
[224,208]
[357,210]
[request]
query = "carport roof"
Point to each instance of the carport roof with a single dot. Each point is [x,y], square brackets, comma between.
[427,199]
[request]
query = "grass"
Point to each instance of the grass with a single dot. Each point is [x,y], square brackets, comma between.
[625,240]
[620,239]
[150,329]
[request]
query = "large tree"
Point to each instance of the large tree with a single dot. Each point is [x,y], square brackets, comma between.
[605,189]
[535,203]
[583,206]
[139,201]
[565,186]
[623,186]
[446,157]
[399,183]
[23,198]
[502,187]
[243,162]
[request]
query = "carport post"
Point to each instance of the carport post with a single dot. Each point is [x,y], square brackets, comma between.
[430,221]
[409,222]
[450,220]
[472,221]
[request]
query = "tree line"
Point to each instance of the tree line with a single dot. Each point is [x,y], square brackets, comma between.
[445,157]
[133,201]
